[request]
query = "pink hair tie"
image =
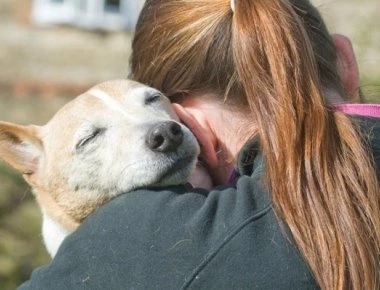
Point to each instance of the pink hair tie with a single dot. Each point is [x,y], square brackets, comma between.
[370,110]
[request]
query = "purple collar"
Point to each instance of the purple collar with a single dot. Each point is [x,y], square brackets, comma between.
[233,177]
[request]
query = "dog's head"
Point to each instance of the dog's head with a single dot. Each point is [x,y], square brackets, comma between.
[118,136]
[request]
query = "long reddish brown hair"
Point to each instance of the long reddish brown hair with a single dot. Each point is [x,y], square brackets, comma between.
[277,59]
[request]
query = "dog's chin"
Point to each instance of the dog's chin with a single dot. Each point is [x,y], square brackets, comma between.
[176,173]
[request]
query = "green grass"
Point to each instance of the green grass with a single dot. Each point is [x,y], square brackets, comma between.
[371,90]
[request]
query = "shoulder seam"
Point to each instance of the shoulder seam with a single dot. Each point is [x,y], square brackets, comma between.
[233,233]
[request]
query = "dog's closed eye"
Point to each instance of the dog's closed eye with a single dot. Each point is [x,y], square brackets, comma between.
[89,138]
[150,99]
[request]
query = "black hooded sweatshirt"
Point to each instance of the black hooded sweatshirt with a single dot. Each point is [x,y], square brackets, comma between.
[185,238]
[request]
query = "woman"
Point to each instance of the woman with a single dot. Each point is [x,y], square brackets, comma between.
[276,62]
[305,210]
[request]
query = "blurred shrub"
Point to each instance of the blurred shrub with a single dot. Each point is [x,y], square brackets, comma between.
[21,249]
[370,89]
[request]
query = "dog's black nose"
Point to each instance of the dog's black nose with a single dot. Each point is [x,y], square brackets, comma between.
[165,137]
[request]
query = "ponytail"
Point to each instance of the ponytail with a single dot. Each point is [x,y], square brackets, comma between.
[322,182]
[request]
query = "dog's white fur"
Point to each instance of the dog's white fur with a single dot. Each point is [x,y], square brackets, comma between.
[53,234]
[92,150]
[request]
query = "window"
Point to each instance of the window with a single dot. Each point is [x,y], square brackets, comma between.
[112,6]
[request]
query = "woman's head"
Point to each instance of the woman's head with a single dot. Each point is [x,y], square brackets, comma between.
[274,60]
[188,46]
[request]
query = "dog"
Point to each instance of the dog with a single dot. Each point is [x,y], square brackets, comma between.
[118,136]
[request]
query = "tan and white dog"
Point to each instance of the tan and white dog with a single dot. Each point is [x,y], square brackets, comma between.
[118,136]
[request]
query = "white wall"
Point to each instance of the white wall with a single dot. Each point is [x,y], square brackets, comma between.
[50,12]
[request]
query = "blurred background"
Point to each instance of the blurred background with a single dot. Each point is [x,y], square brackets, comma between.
[52,50]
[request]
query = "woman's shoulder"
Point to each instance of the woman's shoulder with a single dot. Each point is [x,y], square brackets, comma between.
[179,240]
[181,237]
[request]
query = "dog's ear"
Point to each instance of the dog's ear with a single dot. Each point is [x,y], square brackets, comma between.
[20,147]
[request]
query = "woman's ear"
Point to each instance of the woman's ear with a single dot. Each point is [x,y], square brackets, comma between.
[347,66]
